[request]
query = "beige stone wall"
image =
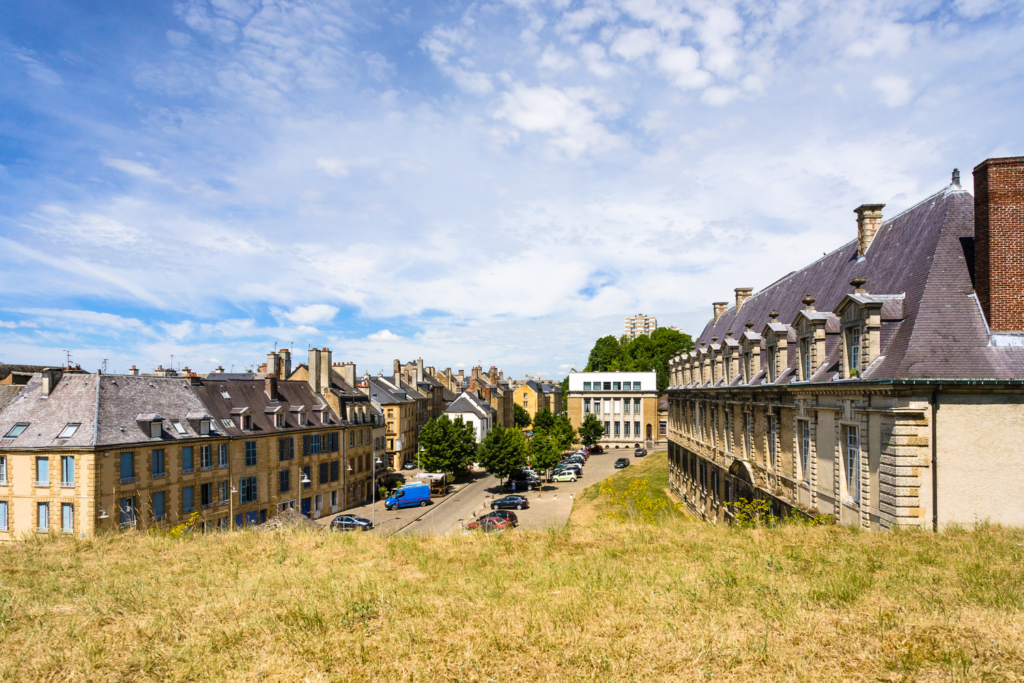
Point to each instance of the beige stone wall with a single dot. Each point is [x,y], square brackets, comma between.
[980,458]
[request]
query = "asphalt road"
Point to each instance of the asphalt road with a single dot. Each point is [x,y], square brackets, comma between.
[549,507]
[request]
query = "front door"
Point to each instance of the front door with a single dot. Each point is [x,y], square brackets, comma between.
[648,432]
[305,506]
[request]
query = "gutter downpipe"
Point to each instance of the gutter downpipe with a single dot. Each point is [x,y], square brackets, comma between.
[935,474]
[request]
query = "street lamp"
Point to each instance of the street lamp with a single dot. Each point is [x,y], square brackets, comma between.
[231,508]
[373,503]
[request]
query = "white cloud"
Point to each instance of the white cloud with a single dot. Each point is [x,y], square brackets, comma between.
[889,38]
[309,314]
[636,43]
[896,91]
[594,57]
[562,114]
[36,69]
[383,335]
[682,64]
[131,167]
[555,61]
[718,96]
[335,168]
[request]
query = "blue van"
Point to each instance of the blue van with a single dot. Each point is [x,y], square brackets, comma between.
[409,495]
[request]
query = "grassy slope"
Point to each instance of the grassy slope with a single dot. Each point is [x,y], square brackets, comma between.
[590,505]
[602,601]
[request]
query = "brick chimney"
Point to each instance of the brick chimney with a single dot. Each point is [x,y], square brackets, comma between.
[134,372]
[396,370]
[719,307]
[999,242]
[348,373]
[477,369]
[742,294]
[493,375]
[869,219]
[270,387]
[284,365]
[272,365]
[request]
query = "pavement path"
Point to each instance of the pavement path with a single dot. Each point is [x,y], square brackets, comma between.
[549,507]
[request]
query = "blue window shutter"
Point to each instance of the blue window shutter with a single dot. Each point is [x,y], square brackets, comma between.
[67,517]
[127,465]
[305,444]
[188,498]
[186,458]
[158,504]
[3,514]
[42,469]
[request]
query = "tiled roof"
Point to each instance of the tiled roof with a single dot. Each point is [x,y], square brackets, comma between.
[252,395]
[917,268]
[8,392]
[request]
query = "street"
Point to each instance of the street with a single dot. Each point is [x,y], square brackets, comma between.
[549,507]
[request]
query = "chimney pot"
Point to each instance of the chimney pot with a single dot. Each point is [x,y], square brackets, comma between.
[956,177]
[869,219]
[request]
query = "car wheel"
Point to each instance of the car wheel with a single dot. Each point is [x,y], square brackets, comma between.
[494,507]
[423,503]
[519,507]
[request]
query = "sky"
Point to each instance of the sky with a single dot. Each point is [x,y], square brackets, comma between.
[199,182]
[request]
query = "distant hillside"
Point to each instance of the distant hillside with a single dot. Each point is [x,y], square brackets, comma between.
[639,355]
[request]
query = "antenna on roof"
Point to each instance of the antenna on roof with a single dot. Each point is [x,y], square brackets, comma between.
[69,358]
[275,346]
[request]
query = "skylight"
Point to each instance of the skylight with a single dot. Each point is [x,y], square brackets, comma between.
[16,431]
[68,431]
[225,394]
[178,427]
[228,422]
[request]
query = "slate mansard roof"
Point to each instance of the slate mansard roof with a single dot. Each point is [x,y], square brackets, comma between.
[920,266]
[116,410]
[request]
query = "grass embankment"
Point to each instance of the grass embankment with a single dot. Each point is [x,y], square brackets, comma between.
[590,505]
[606,601]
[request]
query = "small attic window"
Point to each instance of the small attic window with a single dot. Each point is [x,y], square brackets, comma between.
[204,427]
[68,431]
[228,422]
[16,430]
[155,429]
[279,420]
[247,422]
[178,427]
[225,394]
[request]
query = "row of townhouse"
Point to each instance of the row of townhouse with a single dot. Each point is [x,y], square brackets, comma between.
[491,387]
[81,452]
[881,385]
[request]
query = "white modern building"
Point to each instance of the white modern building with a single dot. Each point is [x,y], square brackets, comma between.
[626,402]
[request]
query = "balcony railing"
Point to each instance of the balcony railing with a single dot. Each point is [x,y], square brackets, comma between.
[125,525]
[157,475]
[67,484]
[207,506]
[157,518]
[206,468]
[188,470]
[222,502]
[189,510]
[129,480]
[42,530]
[42,483]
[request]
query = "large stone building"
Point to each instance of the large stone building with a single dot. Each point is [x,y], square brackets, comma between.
[81,452]
[626,402]
[880,385]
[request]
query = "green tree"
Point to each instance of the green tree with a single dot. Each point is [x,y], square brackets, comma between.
[544,420]
[447,446]
[591,430]
[521,418]
[563,434]
[565,393]
[642,354]
[503,452]
[543,451]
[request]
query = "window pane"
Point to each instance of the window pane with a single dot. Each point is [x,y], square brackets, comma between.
[43,470]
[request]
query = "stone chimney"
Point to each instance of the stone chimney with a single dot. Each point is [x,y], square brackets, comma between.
[869,219]
[493,375]
[325,369]
[348,373]
[742,294]
[396,371]
[51,376]
[501,375]
[314,375]
[999,242]
[284,365]
[270,387]
[719,307]
[134,372]
[272,364]
[419,369]
[477,370]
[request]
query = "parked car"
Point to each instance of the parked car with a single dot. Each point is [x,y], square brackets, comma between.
[409,495]
[522,484]
[583,452]
[573,461]
[506,515]
[489,525]
[621,463]
[575,469]
[564,475]
[510,502]
[350,523]
[596,449]
[640,452]
[409,465]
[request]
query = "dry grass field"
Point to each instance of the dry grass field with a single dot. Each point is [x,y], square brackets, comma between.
[597,601]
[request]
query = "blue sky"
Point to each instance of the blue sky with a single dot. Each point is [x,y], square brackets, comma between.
[498,182]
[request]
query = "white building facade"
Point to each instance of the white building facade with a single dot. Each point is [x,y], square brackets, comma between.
[625,402]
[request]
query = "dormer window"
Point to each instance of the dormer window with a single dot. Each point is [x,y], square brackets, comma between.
[855,349]
[279,420]
[746,367]
[155,429]
[303,419]
[68,431]
[204,427]
[247,422]
[805,359]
